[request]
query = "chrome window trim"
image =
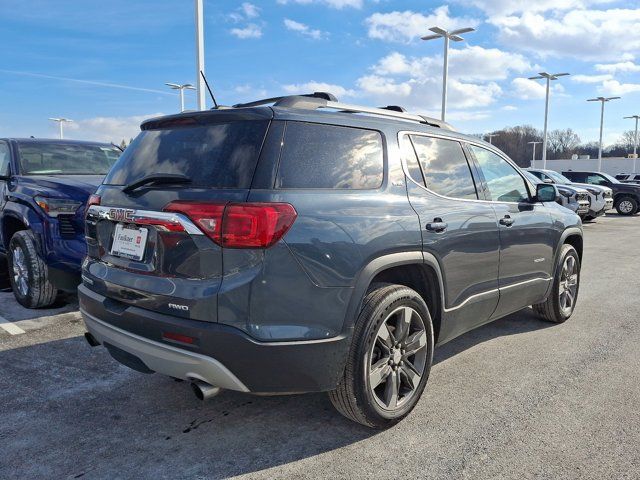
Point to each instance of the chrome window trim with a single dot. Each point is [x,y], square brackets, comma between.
[103,212]
[405,168]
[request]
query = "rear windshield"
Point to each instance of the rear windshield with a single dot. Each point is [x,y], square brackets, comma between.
[66,159]
[222,155]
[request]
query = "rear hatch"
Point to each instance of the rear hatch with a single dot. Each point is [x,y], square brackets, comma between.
[143,249]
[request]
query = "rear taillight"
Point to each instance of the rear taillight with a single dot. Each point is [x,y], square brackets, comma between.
[93,200]
[239,225]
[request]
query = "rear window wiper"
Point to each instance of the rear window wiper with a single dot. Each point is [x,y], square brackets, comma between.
[157,179]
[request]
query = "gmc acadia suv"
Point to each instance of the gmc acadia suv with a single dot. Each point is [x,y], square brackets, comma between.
[311,245]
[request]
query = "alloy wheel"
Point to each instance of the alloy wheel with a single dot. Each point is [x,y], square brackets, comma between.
[397,358]
[20,271]
[625,206]
[568,289]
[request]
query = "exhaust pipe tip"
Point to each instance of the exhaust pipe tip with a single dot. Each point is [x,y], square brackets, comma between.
[203,390]
[91,340]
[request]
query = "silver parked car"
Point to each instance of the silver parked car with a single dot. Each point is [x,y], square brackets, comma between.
[600,197]
[575,199]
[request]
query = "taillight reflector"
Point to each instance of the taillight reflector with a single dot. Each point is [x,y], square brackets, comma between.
[239,225]
[177,337]
[93,200]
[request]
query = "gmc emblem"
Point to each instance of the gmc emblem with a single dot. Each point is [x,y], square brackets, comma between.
[120,214]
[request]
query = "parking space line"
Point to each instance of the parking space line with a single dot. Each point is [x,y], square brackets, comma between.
[10,327]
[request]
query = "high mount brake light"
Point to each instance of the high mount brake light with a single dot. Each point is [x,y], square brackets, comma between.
[239,225]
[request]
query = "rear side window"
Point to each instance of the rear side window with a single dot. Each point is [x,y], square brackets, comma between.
[222,155]
[328,156]
[4,158]
[444,167]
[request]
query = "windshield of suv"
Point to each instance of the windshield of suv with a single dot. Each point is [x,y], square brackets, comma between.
[66,158]
[222,155]
[557,177]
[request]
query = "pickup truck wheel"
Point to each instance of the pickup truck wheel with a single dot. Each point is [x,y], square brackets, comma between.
[390,358]
[560,303]
[627,206]
[28,274]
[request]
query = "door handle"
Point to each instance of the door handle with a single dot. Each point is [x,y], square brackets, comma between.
[437,225]
[507,221]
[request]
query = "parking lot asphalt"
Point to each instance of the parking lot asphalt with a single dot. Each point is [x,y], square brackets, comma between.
[518,398]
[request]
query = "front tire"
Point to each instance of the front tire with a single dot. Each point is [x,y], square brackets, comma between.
[627,206]
[28,274]
[390,358]
[561,302]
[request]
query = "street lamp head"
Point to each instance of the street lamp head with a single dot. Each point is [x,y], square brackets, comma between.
[174,86]
[633,116]
[188,86]
[602,99]
[61,119]
[550,76]
[453,35]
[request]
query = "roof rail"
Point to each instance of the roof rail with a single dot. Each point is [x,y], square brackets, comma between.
[316,100]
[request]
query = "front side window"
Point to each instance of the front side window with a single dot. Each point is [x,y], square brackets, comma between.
[596,180]
[503,181]
[5,158]
[329,156]
[445,167]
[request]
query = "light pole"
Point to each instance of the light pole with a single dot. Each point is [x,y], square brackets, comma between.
[635,142]
[199,55]
[533,156]
[60,121]
[491,135]
[602,101]
[548,77]
[455,36]
[182,88]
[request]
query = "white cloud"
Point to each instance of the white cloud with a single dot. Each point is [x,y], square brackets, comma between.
[303,29]
[508,7]
[590,78]
[250,10]
[310,87]
[614,87]
[250,31]
[469,63]
[408,26]
[622,67]
[339,4]
[383,86]
[585,34]
[509,108]
[108,129]
[526,89]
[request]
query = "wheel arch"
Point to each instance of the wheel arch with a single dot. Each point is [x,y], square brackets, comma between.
[11,224]
[417,270]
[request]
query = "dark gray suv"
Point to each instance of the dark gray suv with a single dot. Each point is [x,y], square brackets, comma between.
[299,244]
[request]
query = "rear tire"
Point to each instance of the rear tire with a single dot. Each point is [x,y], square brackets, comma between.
[627,206]
[390,358]
[561,302]
[28,274]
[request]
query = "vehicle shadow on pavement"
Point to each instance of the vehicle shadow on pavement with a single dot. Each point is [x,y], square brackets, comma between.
[522,321]
[72,411]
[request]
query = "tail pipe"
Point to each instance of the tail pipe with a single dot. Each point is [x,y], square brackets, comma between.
[204,390]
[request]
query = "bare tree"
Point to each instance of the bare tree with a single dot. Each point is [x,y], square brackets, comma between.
[562,143]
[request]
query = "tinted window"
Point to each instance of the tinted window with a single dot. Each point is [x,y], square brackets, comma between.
[444,167]
[596,180]
[575,176]
[66,158]
[409,156]
[503,181]
[4,158]
[327,156]
[222,155]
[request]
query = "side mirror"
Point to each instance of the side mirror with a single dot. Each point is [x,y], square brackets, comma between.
[546,192]
[548,180]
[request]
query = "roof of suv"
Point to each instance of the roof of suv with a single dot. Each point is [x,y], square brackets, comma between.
[318,107]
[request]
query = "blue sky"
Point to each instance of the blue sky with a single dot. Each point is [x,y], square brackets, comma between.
[104,64]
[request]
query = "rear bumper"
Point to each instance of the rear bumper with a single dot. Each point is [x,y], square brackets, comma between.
[221,355]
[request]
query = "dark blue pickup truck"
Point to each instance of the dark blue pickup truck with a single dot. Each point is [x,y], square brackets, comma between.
[44,187]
